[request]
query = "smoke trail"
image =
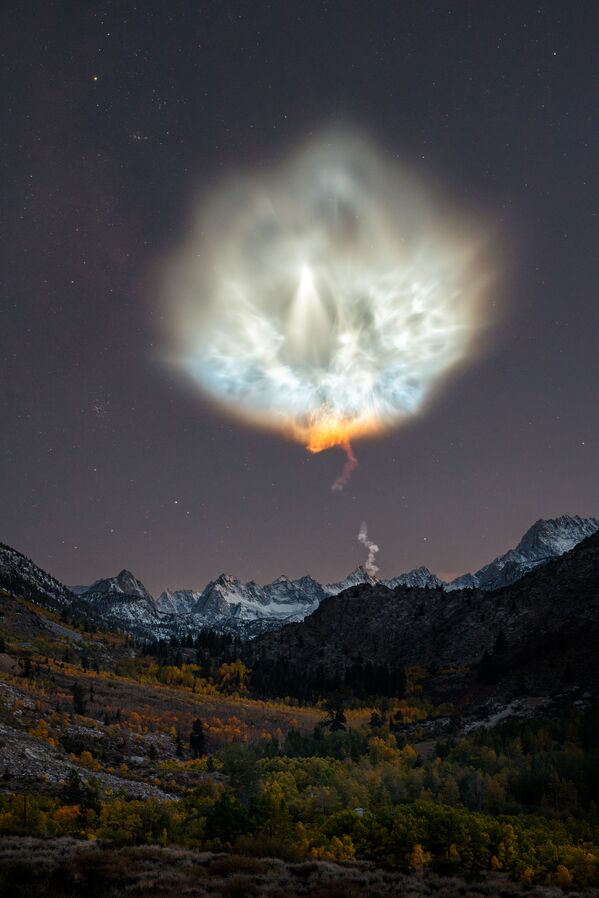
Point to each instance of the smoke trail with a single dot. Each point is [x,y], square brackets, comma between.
[370,567]
[351,463]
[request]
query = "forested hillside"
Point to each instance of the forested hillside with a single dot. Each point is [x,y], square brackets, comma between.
[124,743]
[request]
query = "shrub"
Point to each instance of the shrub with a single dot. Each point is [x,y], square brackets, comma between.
[240,887]
[231,864]
[262,845]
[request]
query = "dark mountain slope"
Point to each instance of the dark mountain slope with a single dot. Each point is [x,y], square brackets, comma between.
[19,575]
[551,612]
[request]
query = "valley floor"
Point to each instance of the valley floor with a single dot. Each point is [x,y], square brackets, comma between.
[124,772]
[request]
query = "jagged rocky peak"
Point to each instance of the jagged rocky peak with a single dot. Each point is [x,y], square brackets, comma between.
[544,541]
[125,583]
[20,575]
[358,576]
[555,536]
[177,601]
[226,580]
[309,583]
[230,605]
[466,581]
[303,593]
[281,597]
[419,578]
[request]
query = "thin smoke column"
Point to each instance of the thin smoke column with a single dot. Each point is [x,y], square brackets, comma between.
[370,567]
[325,298]
[351,463]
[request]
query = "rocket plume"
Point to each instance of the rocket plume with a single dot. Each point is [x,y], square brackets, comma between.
[370,567]
[351,463]
[325,298]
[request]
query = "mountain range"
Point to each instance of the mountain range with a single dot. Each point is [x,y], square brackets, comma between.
[536,637]
[226,604]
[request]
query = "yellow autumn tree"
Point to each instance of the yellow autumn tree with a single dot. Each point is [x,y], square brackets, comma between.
[563,877]
[232,677]
[419,858]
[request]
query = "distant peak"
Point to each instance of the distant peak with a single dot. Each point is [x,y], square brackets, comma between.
[225,580]
[361,569]
[546,539]
[563,529]
[419,578]
[124,583]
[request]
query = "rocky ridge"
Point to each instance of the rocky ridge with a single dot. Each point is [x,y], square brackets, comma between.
[227,604]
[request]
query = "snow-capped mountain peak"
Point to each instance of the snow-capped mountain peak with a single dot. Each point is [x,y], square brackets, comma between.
[177,601]
[545,540]
[281,599]
[419,578]
[358,576]
[125,583]
[227,604]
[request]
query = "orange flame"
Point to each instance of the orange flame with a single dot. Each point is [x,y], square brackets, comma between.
[329,431]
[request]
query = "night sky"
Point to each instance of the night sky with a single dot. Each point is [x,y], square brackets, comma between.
[118,115]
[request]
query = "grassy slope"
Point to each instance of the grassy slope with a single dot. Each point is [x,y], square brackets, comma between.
[128,714]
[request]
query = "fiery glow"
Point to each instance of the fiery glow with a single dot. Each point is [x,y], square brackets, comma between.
[335,432]
[326,298]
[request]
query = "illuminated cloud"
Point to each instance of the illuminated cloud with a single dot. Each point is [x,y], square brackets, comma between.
[327,297]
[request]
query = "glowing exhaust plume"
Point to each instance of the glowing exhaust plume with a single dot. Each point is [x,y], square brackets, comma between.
[370,567]
[325,298]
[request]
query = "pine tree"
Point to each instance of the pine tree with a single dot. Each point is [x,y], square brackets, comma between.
[78,693]
[338,720]
[376,720]
[197,740]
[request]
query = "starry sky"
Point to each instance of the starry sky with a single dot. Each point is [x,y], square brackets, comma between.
[119,114]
